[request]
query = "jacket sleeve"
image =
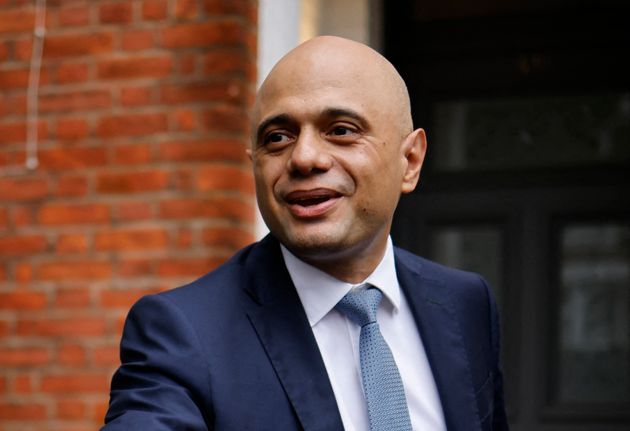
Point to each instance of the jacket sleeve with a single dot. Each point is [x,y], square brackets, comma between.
[163,381]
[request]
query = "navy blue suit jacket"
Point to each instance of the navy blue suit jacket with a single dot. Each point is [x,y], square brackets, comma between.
[234,351]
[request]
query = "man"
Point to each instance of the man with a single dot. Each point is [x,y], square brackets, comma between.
[266,341]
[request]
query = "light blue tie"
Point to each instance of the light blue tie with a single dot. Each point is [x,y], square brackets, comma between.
[382,385]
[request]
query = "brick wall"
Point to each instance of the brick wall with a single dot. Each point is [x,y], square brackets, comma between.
[143,183]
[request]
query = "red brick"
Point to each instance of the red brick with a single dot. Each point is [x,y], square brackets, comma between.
[99,409]
[229,237]
[136,40]
[188,267]
[72,186]
[17,20]
[22,245]
[23,383]
[135,67]
[224,61]
[184,179]
[138,239]
[3,384]
[123,298]
[4,330]
[119,323]
[23,49]
[73,16]
[133,182]
[133,211]
[72,158]
[72,128]
[21,215]
[116,13]
[106,355]
[154,9]
[225,177]
[26,410]
[132,155]
[204,91]
[71,354]
[15,104]
[187,64]
[75,270]
[68,327]
[186,9]
[75,101]
[135,96]
[72,243]
[4,218]
[72,298]
[16,132]
[201,151]
[24,189]
[60,214]
[228,208]
[15,78]
[23,272]
[76,382]
[71,73]
[225,7]
[22,301]
[79,44]
[23,356]
[4,52]
[71,409]
[131,125]
[184,238]
[186,120]
[203,34]
[134,267]
[226,119]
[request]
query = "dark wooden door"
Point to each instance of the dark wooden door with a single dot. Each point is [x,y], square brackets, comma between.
[527,110]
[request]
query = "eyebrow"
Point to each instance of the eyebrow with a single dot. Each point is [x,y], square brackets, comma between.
[276,119]
[328,113]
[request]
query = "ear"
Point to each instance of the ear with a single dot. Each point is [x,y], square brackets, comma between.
[414,148]
[249,154]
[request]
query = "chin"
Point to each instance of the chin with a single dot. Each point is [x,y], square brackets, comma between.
[323,242]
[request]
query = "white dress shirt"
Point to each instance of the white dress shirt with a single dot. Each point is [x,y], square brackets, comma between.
[338,341]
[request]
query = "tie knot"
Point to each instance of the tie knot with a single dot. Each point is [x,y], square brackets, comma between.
[360,306]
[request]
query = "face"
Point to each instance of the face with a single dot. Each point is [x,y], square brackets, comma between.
[330,164]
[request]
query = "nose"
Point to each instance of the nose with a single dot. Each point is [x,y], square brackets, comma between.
[309,154]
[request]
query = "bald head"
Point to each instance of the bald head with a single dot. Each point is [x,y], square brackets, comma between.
[332,151]
[334,62]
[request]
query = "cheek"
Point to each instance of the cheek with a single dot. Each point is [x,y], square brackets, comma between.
[267,174]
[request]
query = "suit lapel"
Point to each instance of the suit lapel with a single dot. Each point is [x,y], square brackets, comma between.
[283,329]
[442,338]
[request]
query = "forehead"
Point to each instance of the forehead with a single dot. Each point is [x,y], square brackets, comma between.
[312,92]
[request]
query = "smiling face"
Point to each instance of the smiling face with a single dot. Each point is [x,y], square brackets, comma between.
[332,151]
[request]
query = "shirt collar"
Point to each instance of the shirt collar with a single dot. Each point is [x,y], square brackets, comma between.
[320,292]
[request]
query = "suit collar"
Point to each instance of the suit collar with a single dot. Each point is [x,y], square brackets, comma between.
[283,329]
[430,298]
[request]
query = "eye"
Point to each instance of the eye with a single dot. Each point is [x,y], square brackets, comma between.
[341,131]
[276,140]
[275,137]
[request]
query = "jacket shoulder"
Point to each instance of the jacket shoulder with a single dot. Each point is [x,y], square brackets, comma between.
[433,271]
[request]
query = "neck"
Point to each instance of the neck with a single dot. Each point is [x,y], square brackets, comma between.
[351,266]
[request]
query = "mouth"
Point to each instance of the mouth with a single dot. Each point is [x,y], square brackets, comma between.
[311,203]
